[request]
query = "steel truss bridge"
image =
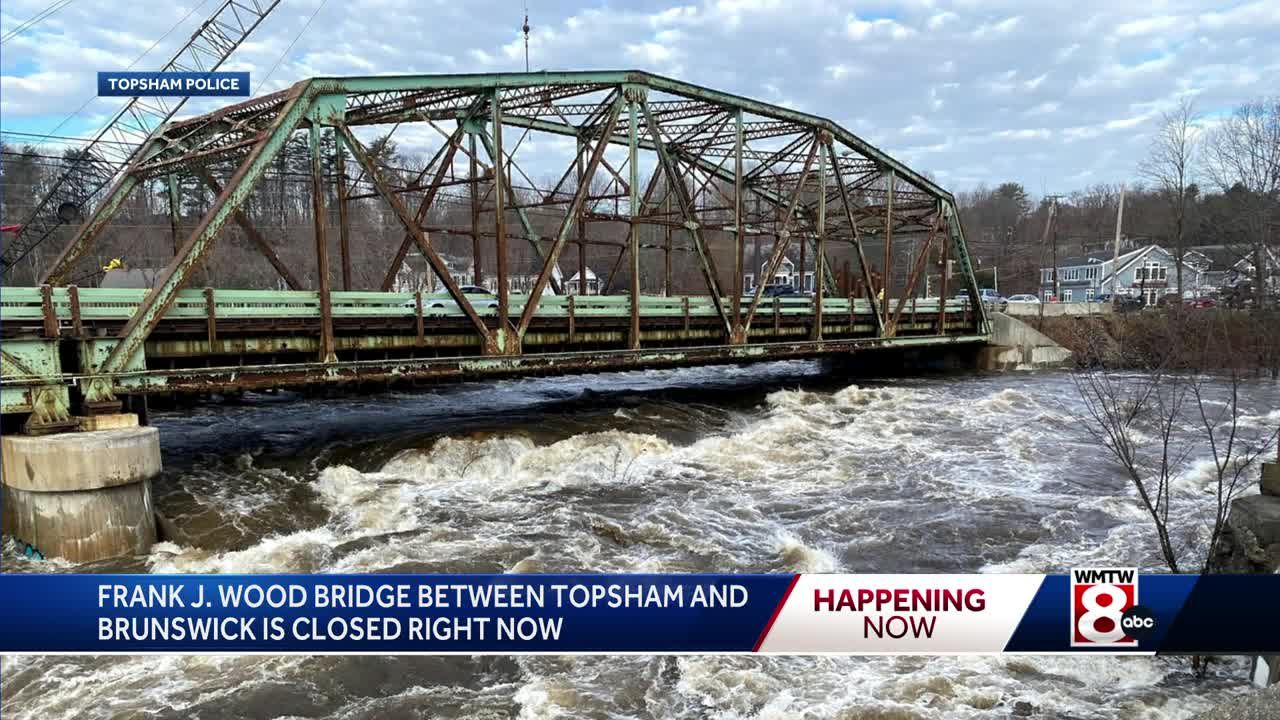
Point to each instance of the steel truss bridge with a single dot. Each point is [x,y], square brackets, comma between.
[711,170]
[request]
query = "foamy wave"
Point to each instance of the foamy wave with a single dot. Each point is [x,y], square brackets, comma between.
[308,551]
[803,558]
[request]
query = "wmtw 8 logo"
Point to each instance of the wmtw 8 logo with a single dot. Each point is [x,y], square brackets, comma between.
[1105,610]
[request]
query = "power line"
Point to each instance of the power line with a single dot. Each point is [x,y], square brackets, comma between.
[136,60]
[42,15]
[262,83]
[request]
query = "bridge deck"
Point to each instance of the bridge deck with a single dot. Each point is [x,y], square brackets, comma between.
[218,340]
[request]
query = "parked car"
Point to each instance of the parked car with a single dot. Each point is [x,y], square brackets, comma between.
[1023,300]
[479,297]
[992,299]
[1123,303]
[1202,303]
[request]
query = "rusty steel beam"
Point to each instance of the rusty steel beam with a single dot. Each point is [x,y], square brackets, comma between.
[448,150]
[857,242]
[319,219]
[411,226]
[344,223]
[780,249]
[254,236]
[579,195]
[674,182]
[913,277]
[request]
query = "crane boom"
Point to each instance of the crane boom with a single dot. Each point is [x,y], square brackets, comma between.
[95,165]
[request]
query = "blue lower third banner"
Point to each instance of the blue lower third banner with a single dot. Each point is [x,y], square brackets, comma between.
[173,84]
[1089,610]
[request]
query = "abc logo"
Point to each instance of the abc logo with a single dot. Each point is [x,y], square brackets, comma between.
[1138,622]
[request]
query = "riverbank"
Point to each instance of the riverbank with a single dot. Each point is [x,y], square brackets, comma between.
[1261,705]
[1199,340]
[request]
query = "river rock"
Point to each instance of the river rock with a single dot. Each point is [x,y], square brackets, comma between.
[1271,479]
[1022,708]
[1252,540]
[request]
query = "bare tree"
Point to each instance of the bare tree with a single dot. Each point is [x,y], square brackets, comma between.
[1244,160]
[1188,406]
[1171,166]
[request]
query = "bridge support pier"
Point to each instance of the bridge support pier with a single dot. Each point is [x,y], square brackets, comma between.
[82,496]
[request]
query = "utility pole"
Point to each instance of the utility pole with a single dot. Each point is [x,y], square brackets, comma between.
[1049,225]
[1115,254]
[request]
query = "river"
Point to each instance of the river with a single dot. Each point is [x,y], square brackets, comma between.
[772,468]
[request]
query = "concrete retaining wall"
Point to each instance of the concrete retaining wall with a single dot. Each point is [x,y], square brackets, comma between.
[1058,309]
[1015,345]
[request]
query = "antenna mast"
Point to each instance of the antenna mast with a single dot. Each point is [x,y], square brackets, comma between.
[525,27]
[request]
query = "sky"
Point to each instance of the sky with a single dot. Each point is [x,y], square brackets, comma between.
[1057,96]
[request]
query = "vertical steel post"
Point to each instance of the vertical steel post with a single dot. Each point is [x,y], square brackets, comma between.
[500,223]
[344,224]
[886,281]
[210,319]
[477,252]
[820,256]
[666,252]
[319,221]
[581,222]
[175,211]
[739,232]
[942,290]
[633,142]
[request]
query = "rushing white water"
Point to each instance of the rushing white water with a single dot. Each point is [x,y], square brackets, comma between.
[775,468]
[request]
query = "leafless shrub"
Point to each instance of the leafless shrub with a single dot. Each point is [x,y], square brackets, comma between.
[1155,422]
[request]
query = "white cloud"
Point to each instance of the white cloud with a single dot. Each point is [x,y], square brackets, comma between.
[1001,27]
[969,90]
[859,29]
[650,53]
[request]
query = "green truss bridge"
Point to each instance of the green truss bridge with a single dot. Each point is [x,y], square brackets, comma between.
[691,193]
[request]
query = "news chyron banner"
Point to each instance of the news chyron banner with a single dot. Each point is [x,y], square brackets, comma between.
[126,83]
[1115,610]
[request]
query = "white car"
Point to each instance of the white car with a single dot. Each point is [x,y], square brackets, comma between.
[1028,299]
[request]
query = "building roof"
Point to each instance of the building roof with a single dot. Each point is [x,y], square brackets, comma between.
[131,278]
[1099,258]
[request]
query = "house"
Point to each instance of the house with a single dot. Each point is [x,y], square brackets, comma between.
[786,274]
[415,275]
[1147,272]
[1231,267]
[574,285]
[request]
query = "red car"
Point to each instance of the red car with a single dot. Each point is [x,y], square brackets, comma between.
[1202,302]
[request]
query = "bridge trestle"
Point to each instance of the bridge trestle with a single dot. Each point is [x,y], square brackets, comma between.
[657,167]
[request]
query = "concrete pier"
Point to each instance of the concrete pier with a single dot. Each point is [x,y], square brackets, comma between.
[82,496]
[1015,345]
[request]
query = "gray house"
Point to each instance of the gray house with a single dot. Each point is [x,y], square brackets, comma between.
[1147,272]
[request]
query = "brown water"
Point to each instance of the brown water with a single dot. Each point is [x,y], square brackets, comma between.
[773,468]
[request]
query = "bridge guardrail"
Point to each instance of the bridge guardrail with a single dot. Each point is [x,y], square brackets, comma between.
[27,304]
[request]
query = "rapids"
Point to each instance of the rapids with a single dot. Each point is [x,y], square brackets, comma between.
[774,468]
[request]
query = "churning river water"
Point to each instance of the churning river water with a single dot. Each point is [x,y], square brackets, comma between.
[772,468]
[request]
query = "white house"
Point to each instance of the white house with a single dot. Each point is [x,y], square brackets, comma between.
[574,285]
[415,275]
[786,274]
